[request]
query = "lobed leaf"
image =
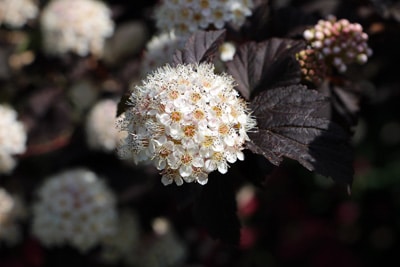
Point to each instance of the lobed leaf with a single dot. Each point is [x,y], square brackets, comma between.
[345,99]
[200,47]
[290,124]
[262,66]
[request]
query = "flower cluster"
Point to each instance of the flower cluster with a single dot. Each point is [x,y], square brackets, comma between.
[11,212]
[159,51]
[336,42]
[100,131]
[79,26]
[12,138]
[74,207]
[187,16]
[188,121]
[15,13]
[313,66]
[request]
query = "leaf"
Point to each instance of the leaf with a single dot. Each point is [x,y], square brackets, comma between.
[345,98]
[215,209]
[290,125]
[262,66]
[201,46]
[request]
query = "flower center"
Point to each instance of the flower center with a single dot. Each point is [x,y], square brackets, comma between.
[198,114]
[208,141]
[189,130]
[186,159]
[164,152]
[223,129]
[195,97]
[173,94]
[176,116]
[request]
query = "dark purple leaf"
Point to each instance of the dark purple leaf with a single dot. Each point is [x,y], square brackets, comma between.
[261,66]
[201,46]
[345,101]
[215,209]
[291,124]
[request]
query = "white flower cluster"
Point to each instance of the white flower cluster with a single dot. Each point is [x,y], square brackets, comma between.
[15,13]
[188,121]
[11,213]
[74,207]
[12,138]
[188,16]
[339,42]
[159,51]
[79,26]
[100,126]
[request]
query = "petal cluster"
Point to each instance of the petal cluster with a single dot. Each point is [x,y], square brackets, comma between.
[337,42]
[12,138]
[188,121]
[74,207]
[78,26]
[159,51]
[15,13]
[101,133]
[187,16]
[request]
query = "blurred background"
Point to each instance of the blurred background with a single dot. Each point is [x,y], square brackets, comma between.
[65,96]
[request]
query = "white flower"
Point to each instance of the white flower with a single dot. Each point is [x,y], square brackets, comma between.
[74,207]
[227,50]
[11,213]
[186,17]
[159,51]
[100,126]
[15,13]
[12,138]
[188,121]
[79,26]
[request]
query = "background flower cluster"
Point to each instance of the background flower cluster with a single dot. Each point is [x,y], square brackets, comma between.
[67,68]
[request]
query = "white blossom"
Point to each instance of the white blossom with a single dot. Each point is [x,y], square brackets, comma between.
[100,126]
[74,207]
[15,13]
[12,138]
[187,120]
[78,26]
[186,17]
[159,50]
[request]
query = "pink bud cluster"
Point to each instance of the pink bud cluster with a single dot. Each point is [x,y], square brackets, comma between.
[337,43]
[313,66]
